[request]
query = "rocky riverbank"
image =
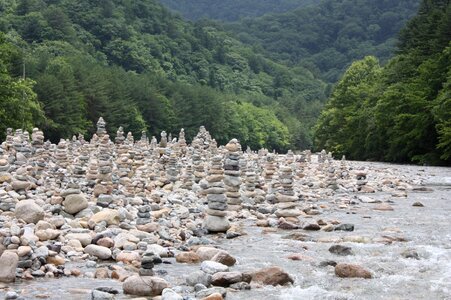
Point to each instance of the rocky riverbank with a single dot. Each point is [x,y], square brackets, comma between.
[164,219]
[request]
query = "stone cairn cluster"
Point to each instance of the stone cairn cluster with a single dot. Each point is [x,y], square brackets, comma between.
[130,201]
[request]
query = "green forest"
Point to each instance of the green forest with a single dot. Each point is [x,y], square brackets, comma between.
[142,67]
[307,74]
[400,112]
[327,37]
[232,10]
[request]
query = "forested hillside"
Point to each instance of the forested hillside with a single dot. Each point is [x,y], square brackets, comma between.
[232,10]
[400,112]
[142,67]
[327,37]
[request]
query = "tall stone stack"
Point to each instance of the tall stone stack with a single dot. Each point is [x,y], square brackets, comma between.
[104,185]
[172,172]
[5,176]
[61,154]
[182,142]
[198,165]
[232,175]
[188,177]
[287,202]
[270,168]
[101,128]
[164,140]
[216,219]
[120,138]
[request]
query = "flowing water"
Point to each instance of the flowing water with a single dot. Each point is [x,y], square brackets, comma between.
[427,230]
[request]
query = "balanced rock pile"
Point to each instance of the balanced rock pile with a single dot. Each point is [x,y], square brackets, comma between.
[122,208]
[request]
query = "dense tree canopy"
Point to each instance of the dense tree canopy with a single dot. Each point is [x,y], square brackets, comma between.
[401,112]
[328,36]
[231,10]
[139,66]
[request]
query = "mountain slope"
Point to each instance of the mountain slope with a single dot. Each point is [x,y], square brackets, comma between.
[231,10]
[327,37]
[87,57]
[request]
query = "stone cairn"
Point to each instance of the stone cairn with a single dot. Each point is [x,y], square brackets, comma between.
[287,202]
[232,174]
[216,219]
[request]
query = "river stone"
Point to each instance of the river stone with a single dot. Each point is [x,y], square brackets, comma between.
[29,211]
[98,251]
[212,267]
[99,295]
[74,203]
[170,294]
[110,216]
[207,293]
[19,185]
[198,277]
[271,276]
[8,265]
[144,285]
[84,238]
[345,227]
[216,224]
[349,270]
[340,250]
[225,279]
[187,257]
[224,258]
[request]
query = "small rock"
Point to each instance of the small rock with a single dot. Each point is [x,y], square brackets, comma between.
[312,226]
[8,265]
[340,250]
[29,211]
[350,270]
[98,251]
[418,204]
[212,267]
[345,227]
[187,257]
[170,294]
[271,276]
[144,285]
[410,253]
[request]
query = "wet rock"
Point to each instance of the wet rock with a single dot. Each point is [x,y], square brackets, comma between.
[345,227]
[410,253]
[11,295]
[271,276]
[224,258]
[198,277]
[326,263]
[170,294]
[349,270]
[312,226]
[214,296]
[211,292]
[340,250]
[418,204]
[226,279]
[99,295]
[212,267]
[383,207]
[187,257]
[29,211]
[8,265]
[144,285]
